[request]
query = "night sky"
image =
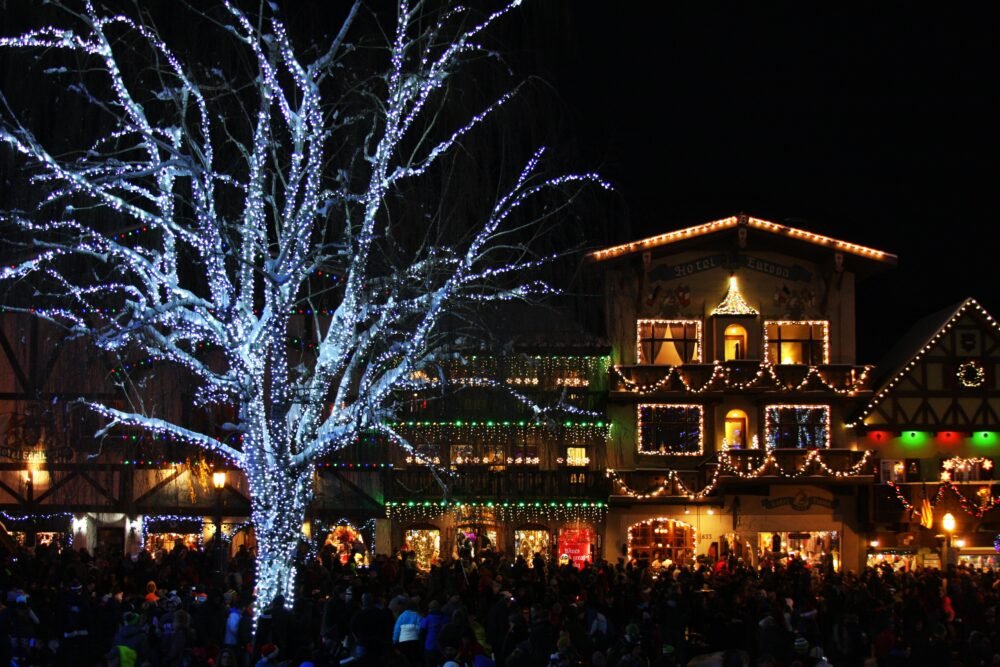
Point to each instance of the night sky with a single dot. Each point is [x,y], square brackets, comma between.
[876,126]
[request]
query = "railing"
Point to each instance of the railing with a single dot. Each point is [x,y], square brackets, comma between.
[506,484]
[740,375]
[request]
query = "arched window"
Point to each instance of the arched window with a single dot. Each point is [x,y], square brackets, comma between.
[735,342]
[736,429]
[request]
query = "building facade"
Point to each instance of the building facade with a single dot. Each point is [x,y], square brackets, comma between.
[723,413]
[733,377]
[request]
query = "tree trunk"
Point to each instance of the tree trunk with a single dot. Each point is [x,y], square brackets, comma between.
[279,498]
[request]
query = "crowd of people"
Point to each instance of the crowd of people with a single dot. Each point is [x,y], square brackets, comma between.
[66,607]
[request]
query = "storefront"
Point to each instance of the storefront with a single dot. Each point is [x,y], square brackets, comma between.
[424,540]
[817,548]
[661,541]
[979,557]
[345,543]
[530,540]
[167,534]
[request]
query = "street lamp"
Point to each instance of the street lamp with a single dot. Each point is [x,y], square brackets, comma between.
[219,482]
[948,523]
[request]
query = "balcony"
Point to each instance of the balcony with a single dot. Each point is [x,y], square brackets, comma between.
[833,464]
[413,483]
[745,375]
[659,485]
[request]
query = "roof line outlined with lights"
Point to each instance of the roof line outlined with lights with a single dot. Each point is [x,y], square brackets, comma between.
[735,221]
[898,374]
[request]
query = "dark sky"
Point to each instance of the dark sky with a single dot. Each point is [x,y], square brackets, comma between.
[877,126]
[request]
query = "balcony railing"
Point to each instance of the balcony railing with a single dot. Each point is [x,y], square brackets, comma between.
[408,484]
[741,375]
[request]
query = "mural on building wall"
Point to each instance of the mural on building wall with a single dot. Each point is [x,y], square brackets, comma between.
[797,303]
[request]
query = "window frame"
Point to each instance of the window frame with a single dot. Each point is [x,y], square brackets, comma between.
[810,323]
[701,428]
[769,424]
[652,322]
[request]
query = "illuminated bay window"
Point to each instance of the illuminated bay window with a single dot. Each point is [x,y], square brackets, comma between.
[671,429]
[797,426]
[799,342]
[668,342]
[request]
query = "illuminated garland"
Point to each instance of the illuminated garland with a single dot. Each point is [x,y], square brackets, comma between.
[975,509]
[971,374]
[958,464]
[814,457]
[671,477]
[882,393]
[766,378]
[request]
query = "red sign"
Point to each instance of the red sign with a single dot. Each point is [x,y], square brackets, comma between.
[574,545]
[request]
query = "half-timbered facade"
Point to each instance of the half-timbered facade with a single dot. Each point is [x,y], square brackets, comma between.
[934,422]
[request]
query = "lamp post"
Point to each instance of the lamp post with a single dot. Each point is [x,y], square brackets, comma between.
[948,523]
[219,482]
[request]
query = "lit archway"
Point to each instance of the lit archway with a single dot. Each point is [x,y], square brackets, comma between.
[734,342]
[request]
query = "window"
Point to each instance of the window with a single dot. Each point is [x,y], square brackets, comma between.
[577,456]
[797,426]
[736,429]
[425,453]
[735,342]
[668,342]
[892,470]
[797,342]
[670,429]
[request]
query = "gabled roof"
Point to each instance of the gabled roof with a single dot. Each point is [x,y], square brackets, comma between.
[911,348]
[732,222]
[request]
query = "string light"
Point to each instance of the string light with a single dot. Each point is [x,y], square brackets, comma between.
[721,379]
[647,422]
[881,394]
[804,420]
[971,374]
[733,303]
[732,222]
[777,324]
[652,324]
[813,457]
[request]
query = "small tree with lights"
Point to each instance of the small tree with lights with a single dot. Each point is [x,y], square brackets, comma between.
[242,190]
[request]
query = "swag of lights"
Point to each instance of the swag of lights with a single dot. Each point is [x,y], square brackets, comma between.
[672,477]
[813,458]
[766,378]
[973,508]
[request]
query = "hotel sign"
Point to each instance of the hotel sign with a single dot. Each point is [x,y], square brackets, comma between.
[722,261]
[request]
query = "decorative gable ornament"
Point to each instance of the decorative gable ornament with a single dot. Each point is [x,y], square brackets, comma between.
[734,303]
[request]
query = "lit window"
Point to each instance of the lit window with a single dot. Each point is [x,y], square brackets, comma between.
[576,456]
[735,342]
[736,429]
[797,426]
[669,342]
[805,342]
[671,429]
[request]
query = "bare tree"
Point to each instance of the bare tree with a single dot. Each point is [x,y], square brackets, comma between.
[245,189]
